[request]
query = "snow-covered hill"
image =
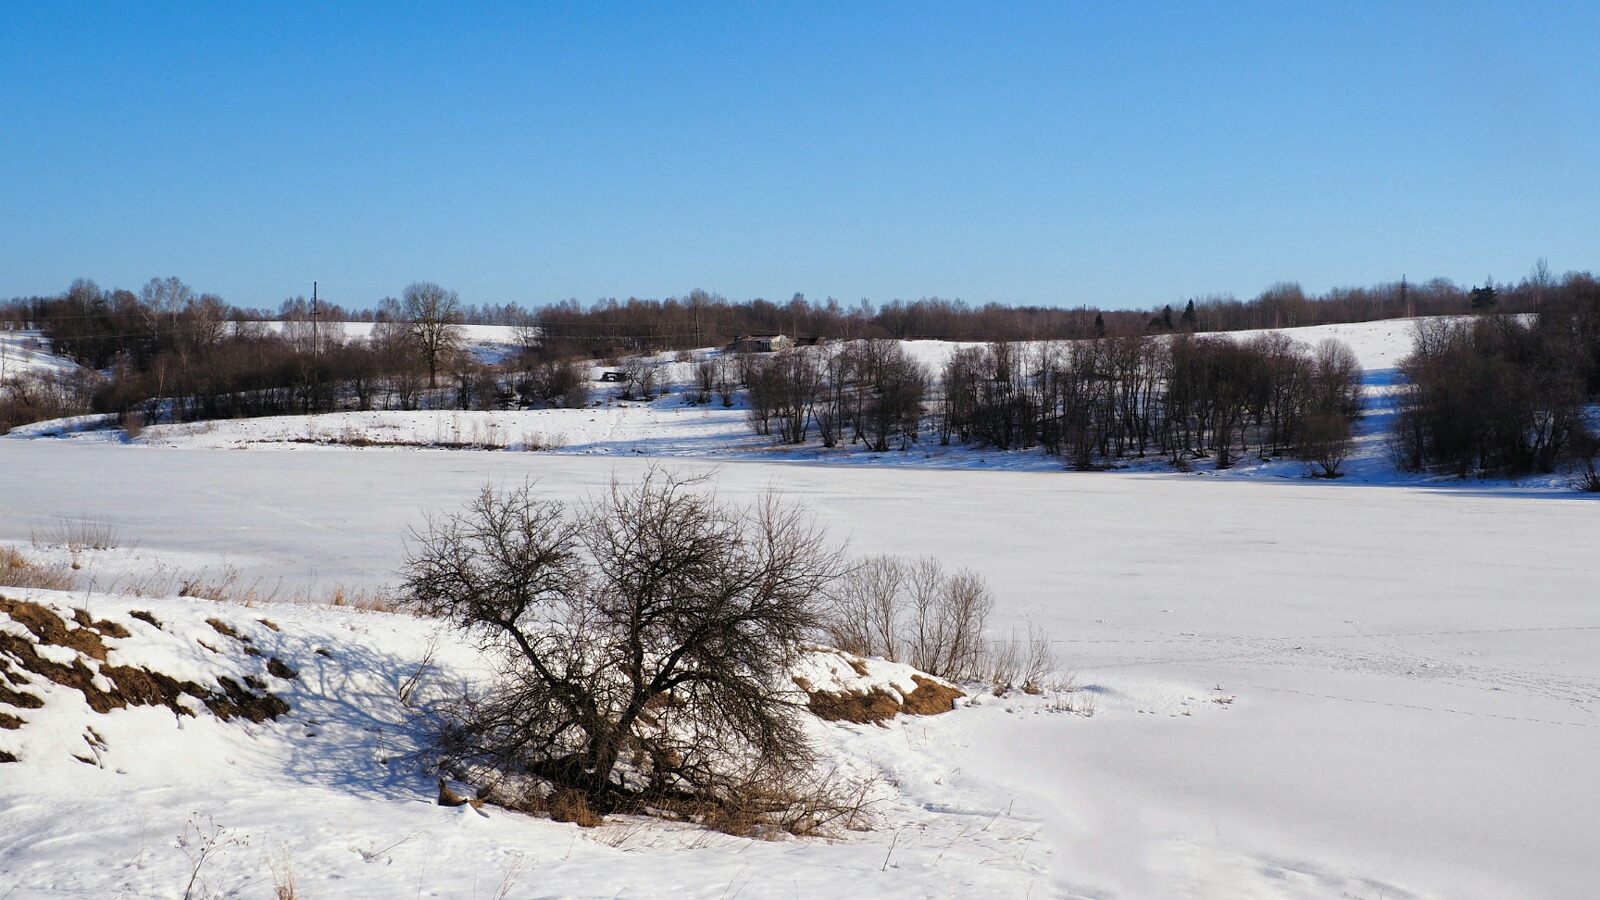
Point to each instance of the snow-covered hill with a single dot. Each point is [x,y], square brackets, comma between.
[1300,689]
[670,427]
[116,788]
[28,351]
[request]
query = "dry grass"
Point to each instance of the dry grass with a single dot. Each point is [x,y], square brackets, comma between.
[19,571]
[365,600]
[1014,662]
[768,803]
[229,587]
[284,885]
[930,697]
[873,706]
[570,806]
[78,534]
[534,441]
[1065,696]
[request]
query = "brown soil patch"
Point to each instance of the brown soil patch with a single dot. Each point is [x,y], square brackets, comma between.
[49,628]
[930,697]
[15,678]
[223,628]
[105,627]
[849,706]
[244,703]
[277,668]
[7,757]
[876,706]
[130,686]
[143,616]
[10,722]
[19,699]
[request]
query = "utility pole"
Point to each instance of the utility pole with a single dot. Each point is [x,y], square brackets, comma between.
[316,342]
[1405,298]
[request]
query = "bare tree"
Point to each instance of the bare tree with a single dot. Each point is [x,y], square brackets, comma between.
[646,636]
[434,315]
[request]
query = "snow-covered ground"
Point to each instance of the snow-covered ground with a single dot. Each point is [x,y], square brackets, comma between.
[1416,675]
[490,343]
[1408,672]
[28,351]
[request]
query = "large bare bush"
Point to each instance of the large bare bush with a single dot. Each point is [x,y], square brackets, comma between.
[913,612]
[645,638]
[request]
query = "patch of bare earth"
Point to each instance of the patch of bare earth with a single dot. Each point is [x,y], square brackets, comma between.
[107,687]
[879,704]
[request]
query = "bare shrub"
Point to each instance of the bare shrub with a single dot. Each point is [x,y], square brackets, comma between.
[641,376]
[78,534]
[36,396]
[535,441]
[227,586]
[202,843]
[1586,475]
[284,884]
[19,571]
[1327,443]
[1015,661]
[645,638]
[864,612]
[1003,663]
[705,379]
[914,613]
[1041,662]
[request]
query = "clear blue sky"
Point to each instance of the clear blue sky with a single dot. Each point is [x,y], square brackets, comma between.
[1110,154]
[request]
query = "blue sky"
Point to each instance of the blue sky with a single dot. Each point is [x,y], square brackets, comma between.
[1107,154]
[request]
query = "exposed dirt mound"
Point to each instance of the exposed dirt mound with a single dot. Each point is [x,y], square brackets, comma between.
[931,697]
[876,705]
[25,660]
[843,687]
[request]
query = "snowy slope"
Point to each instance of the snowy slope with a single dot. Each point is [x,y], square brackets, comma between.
[334,790]
[1416,675]
[28,351]
[1301,689]
[668,426]
[490,343]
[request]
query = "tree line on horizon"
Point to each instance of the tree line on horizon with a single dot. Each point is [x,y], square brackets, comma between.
[701,319]
[1497,392]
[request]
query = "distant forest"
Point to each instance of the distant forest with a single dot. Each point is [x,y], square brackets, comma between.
[701,319]
[1498,392]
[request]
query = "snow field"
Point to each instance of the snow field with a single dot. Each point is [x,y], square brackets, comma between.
[1416,672]
[1381,686]
[333,789]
